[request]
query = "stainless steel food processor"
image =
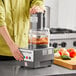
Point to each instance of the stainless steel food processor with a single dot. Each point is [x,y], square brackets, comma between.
[38,54]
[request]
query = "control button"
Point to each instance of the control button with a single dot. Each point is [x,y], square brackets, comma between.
[55,45]
[26,57]
[29,57]
[74,43]
[63,44]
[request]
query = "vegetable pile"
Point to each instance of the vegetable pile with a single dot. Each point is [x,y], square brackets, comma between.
[65,54]
[42,40]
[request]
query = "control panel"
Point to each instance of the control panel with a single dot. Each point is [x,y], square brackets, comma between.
[63,43]
[28,55]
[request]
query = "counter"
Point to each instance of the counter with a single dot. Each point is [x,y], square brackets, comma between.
[9,68]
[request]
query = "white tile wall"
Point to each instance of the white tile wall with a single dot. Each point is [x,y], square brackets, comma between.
[67,14]
[63,13]
[53,4]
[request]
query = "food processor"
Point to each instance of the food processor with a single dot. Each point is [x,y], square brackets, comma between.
[38,54]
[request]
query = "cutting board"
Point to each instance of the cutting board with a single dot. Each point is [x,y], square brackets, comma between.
[70,64]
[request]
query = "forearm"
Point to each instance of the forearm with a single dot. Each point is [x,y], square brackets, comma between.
[13,48]
[5,34]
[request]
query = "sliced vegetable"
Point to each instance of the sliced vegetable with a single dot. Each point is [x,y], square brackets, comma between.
[43,40]
[66,53]
[65,57]
[63,51]
[60,52]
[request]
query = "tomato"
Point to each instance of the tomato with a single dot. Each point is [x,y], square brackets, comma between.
[60,53]
[72,52]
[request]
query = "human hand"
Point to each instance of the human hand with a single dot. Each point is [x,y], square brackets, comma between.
[36,9]
[16,53]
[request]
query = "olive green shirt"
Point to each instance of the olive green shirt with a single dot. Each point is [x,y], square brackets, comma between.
[14,14]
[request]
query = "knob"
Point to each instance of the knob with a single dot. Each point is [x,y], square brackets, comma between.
[55,45]
[63,44]
[50,44]
[74,43]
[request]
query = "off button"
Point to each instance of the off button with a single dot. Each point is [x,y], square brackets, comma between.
[29,57]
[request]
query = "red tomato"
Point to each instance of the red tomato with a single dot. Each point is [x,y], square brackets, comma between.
[72,52]
[60,53]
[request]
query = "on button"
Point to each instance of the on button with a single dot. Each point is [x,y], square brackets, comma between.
[24,57]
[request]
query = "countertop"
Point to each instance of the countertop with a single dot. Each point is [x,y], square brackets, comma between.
[8,68]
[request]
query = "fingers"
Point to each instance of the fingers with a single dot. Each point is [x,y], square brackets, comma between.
[36,9]
[19,55]
[32,11]
[16,53]
[15,57]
